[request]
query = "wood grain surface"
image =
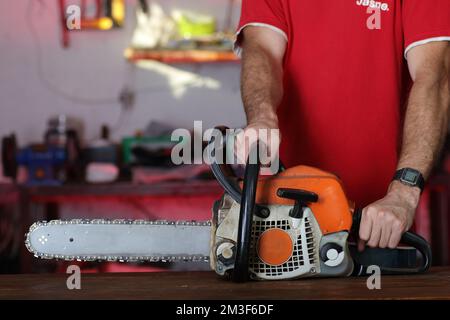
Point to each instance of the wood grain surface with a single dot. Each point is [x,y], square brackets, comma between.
[206,285]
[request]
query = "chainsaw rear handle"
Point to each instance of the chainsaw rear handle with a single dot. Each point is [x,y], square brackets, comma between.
[408,238]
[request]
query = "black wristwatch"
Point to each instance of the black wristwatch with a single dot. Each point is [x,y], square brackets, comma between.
[410,177]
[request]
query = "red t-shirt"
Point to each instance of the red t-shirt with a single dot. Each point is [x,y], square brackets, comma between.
[346,81]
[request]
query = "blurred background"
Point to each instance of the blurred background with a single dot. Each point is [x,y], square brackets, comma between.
[90,91]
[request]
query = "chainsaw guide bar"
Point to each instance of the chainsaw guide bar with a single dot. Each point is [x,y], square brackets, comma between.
[115,240]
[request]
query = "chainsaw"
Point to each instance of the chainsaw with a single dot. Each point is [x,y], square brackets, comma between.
[294,224]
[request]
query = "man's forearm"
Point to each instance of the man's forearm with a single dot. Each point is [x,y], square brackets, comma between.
[261,84]
[384,221]
[426,124]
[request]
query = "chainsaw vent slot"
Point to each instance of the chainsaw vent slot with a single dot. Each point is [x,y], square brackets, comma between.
[295,262]
[309,240]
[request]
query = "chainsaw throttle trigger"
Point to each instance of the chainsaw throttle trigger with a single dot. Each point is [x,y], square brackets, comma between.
[301,198]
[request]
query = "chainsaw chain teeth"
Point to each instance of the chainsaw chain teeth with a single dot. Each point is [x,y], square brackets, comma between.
[187,258]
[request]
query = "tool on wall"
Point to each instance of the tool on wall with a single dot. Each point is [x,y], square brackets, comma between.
[107,14]
[291,225]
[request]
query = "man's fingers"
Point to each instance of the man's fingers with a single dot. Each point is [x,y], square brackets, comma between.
[396,235]
[267,140]
[272,145]
[365,227]
[385,235]
[245,140]
[394,240]
[243,145]
[375,234]
[240,148]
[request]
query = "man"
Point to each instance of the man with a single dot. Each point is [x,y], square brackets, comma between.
[359,88]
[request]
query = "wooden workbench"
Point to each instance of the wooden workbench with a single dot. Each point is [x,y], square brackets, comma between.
[206,285]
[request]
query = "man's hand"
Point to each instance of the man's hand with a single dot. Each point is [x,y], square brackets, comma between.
[272,142]
[384,222]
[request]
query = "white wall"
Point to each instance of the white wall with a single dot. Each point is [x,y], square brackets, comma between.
[93,68]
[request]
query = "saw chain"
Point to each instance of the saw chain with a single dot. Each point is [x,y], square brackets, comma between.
[183,225]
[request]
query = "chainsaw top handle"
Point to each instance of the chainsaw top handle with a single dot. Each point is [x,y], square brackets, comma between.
[240,271]
[408,238]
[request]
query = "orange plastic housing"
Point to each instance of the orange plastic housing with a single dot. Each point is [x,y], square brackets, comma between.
[333,211]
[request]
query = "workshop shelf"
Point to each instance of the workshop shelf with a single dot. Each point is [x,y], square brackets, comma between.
[181,56]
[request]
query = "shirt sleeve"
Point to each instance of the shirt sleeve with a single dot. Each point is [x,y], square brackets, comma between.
[262,13]
[425,21]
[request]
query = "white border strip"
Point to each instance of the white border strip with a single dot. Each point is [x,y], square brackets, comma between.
[237,49]
[425,41]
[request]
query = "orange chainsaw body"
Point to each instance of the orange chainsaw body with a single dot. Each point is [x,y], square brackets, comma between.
[333,210]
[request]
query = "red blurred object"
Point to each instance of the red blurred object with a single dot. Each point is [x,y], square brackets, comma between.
[447,164]
[98,13]
[87,267]
[64,30]
[422,223]
[439,205]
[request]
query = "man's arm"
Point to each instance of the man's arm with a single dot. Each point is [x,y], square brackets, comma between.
[262,74]
[426,119]
[261,78]
[425,127]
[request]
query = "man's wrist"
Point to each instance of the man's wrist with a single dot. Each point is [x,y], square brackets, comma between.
[268,119]
[410,194]
[264,112]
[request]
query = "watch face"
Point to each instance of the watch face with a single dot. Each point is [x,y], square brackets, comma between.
[410,176]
